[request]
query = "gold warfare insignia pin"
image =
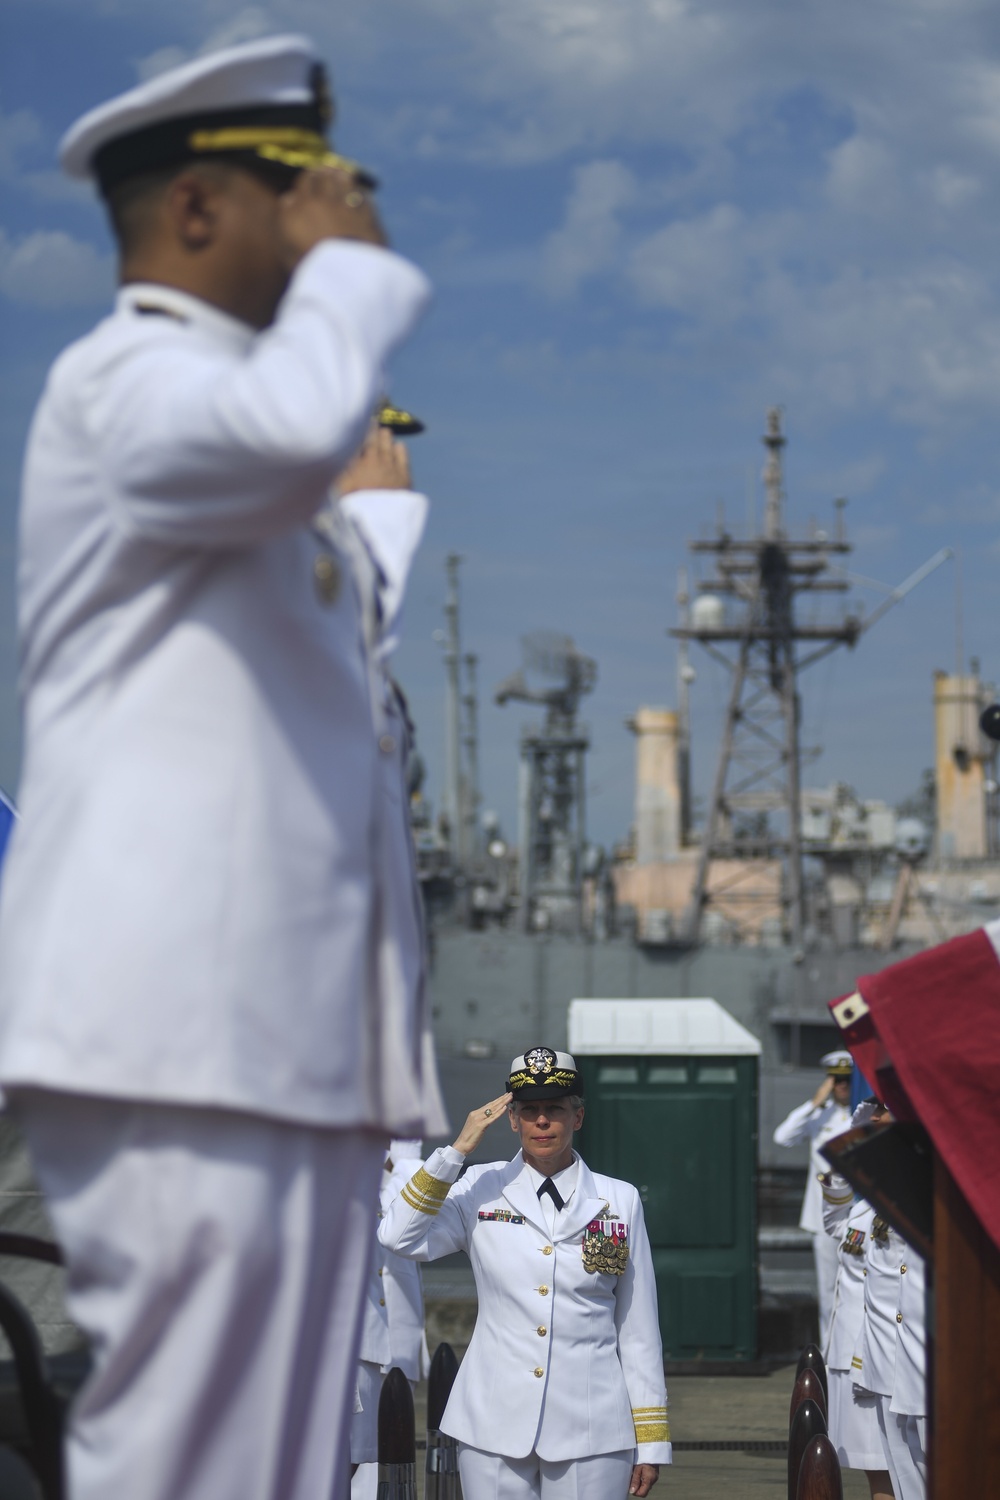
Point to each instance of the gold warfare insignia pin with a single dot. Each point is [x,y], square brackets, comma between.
[326,574]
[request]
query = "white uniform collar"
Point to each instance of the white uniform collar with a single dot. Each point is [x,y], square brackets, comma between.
[565,1180]
[185,308]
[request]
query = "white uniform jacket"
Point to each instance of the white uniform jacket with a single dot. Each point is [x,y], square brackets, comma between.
[891,1357]
[403,1288]
[816,1125]
[209,898]
[848,1221]
[375,1346]
[564,1362]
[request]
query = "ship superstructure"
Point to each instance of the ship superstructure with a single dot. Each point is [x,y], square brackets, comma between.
[784,895]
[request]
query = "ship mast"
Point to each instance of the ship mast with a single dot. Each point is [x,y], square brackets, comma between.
[454,798]
[748,606]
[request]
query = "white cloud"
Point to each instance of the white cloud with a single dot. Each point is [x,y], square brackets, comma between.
[863,176]
[52,269]
[591,234]
[245,26]
[19,130]
[160,61]
[696,267]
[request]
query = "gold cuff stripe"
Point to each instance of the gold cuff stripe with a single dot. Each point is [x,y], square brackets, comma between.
[429,1187]
[424,1192]
[651,1425]
[422,1205]
[856,1363]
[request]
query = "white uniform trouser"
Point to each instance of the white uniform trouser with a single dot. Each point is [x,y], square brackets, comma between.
[905,1442]
[364,1423]
[217,1262]
[490,1476]
[825,1254]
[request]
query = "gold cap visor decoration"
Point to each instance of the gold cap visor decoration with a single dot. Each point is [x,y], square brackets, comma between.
[402,423]
[299,149]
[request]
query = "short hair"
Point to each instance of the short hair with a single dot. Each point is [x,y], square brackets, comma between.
[132,201]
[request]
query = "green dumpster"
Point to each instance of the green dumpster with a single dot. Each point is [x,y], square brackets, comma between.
[671,1091]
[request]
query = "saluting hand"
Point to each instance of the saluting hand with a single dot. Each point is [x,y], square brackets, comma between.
[479,1121]
[644,1476]
[382,464]
[823,1093]
[326,203]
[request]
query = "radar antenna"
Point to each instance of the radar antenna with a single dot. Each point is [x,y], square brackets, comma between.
[754,818]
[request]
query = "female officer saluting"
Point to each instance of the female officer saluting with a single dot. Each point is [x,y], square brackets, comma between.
[561,1393]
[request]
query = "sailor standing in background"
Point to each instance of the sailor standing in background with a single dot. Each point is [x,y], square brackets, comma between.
[826,1114]
[395,1299]
[891,1355]
[211,983]
[852,1418]
[561,1392]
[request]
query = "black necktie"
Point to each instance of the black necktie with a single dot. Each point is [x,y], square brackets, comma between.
[548,1186]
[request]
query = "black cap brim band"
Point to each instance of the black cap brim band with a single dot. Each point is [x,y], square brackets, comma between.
[536,1091]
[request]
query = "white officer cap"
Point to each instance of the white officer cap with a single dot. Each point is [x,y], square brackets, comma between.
[541,1073]
[840,1064]
[263,101]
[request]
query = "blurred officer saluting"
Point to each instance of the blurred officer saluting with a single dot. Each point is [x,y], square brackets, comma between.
[211,989]
[561,1393]
[826,1114]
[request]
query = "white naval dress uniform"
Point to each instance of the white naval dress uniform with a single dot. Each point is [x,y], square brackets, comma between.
[565,1365]
[211,967]
[400,1292]
[852,1421]
[374,1360]
[817,1125]
[891,1357]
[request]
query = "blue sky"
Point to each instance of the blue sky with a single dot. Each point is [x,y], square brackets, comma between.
[646,221]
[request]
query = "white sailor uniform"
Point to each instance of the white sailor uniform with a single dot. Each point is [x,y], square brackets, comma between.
[817,1125]
[212,1004]
[852,1421]
[401,1279]
[891,1357]
[565,1362]
[374,1360]
[400,1297]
